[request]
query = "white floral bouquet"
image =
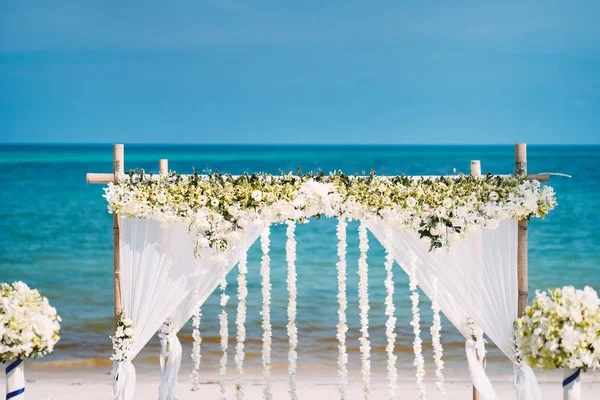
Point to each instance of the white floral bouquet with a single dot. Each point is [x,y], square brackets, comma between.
[123,338]
[29,326]
[561,329]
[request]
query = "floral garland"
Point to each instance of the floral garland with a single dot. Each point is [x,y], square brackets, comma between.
[224,331]
[419,361]
[240,321]
[292,330]
[196,354]
[436,341]
[390,324]
[476,338]
[265,273]
[29,325]
[363,303]
[123,338]
[342,327]
[217,207]
[561,329]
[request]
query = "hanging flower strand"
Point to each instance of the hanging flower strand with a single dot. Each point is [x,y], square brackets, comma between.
[196,355]
[224,333]
[266,312]
[342,328]
[436,341]
[240,321]
[363,302]
[419,361]
[390,325]
[292,330]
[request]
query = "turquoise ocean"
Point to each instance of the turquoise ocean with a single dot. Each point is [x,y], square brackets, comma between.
[56,235]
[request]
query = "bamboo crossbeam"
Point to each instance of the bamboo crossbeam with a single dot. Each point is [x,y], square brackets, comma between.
[102,178]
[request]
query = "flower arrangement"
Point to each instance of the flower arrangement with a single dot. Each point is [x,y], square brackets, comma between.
[123,338]
[217,207]
[29,326]
[561,329]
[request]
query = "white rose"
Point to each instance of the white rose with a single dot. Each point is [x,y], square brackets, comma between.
[161,198]
[411,202]
[257,195]
[233,211]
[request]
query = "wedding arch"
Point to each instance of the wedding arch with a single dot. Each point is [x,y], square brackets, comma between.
[462,240]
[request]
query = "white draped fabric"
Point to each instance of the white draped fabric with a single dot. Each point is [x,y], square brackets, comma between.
[158,273]
[194,300]
[477,278]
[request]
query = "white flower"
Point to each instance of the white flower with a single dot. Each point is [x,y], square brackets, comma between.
[30,327]
[257,195]
[203,200]
[161,198]
[411,202]
[214,202]
[561,329]
[493,196]
[233,211]
[447,203]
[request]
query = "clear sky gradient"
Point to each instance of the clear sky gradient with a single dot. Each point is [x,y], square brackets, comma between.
[300,71]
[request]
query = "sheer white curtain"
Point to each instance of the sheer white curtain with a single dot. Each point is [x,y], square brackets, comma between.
[171,353]
[158,272]
[476,278]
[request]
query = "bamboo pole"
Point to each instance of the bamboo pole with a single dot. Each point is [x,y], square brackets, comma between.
[164,166]
[118,169]
[476,171]
[100,178]
[521,169]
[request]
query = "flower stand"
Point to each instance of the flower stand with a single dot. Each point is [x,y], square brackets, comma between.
[571,384]
[15,381]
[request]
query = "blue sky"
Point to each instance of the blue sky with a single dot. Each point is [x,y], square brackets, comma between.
[299,72]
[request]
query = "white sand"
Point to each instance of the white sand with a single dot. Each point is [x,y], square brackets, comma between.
[97,386]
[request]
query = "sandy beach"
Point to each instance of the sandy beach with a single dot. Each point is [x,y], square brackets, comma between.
[94,384]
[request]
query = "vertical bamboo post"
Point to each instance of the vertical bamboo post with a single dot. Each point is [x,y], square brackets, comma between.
[118,170]
[521,169]
[164,166]
[476,171]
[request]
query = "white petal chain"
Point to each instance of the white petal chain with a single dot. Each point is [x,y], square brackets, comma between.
[390,325]
[292,330]
[196,355]
[266,312]
[419,361]
[240,322]
[342,327]
[363,303]
[436,342]
[224,331]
